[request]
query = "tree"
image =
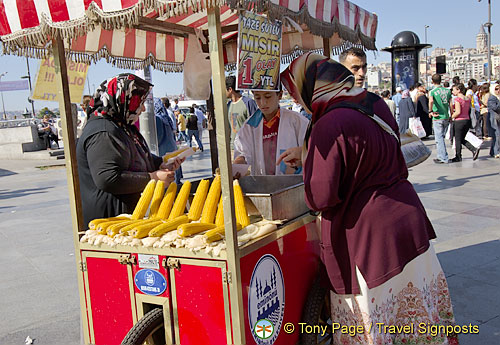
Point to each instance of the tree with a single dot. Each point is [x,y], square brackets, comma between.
[45,111]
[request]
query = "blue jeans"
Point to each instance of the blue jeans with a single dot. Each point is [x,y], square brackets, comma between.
[182,136]
[196,134]
[440,127]
[495,139]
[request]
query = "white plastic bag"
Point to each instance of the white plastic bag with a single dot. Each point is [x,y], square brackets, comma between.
[197,71]
[416,127]
[475,141]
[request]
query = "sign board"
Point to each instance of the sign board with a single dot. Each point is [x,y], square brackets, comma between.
[259,52]
[15,85]
[405,68]
[46,88]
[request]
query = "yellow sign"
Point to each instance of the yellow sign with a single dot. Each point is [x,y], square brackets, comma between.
[46,88]
[259,53]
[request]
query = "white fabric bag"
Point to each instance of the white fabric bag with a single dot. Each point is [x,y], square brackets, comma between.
[416,127]
[197,71]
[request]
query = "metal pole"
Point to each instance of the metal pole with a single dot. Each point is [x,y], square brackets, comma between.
[489,24]
[3,103]
[426,60]
[31,90]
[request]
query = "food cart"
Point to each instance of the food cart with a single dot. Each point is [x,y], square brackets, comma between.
[243,293]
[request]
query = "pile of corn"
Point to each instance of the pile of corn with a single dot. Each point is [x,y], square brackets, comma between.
[166,223]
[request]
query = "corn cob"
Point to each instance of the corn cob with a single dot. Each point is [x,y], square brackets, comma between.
[180,201]
[167,202]
[189,229]
[168,226]
[239,205]
[94,223]
[142,230]
[198,200]
[145,199]
[157,198]
[115,228]
[103,227]
[125,230]
[174,153]
[217,233]
[208,214]
[219,217]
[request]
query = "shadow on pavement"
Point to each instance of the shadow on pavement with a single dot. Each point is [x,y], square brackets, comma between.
[473,275]
[5,172]
[21,192]
[444,183]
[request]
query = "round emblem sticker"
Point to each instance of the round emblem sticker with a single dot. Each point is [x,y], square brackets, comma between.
[266,300]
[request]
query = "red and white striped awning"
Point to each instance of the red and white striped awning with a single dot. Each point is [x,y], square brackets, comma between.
[95,29]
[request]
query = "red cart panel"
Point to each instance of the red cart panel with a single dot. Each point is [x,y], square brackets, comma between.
[296,256]
[200,297]
[110,307]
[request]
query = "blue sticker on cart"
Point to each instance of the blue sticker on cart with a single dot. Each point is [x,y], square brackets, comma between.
[150,282]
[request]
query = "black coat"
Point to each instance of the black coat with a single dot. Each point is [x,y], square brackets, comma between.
[406,110]
[423,114]
[113,169]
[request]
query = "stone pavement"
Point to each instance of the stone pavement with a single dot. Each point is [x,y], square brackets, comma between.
[39,295]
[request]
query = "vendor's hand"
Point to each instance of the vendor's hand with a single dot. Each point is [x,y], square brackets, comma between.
[291,157]
[174,165]
[167,176]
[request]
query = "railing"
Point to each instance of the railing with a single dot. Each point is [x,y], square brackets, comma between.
[18,123]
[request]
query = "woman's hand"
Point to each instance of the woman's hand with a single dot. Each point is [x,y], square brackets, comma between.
[167,176]
[174,165]
[291,157]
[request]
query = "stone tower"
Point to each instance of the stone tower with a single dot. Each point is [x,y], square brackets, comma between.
[481,40]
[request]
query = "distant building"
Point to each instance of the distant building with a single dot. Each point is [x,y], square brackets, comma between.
[481,40]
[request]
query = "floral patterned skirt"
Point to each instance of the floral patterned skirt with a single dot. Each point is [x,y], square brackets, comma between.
[413,307]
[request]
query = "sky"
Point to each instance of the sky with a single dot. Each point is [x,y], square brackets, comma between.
[451,22]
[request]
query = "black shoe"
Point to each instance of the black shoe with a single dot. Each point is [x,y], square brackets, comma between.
[476,154]
[456,160]
[438,161]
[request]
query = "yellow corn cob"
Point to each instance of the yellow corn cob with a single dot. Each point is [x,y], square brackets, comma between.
[167,202]
[168,226]
[174,153]
[157,198]
[103,227]
[189,229]
[208,214]
[198,200]
[125,230]
[142,230]
[219,217]
[180,201]
[115,228]
[145,199]
[94,223]
[217,233]
[239,205]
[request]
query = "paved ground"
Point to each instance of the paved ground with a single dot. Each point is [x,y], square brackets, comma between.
[38,271]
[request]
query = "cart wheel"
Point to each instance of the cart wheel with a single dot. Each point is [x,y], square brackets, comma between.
[148,330]
[317,312]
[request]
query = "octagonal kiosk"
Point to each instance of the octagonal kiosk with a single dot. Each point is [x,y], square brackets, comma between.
[405,47]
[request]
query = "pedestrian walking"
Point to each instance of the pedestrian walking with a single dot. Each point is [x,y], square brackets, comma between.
[494,111]
[406,111]
[397,98]
[484,95]
[165,131]
[386,95]
[379,268]
[439,104]
[461,122]
[423,110]
[192,129]
[477,121]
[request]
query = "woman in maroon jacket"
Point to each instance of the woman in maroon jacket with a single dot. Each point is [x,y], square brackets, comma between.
[375,234]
